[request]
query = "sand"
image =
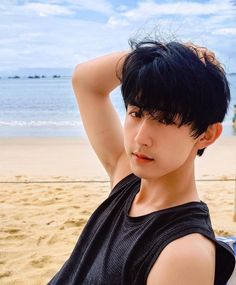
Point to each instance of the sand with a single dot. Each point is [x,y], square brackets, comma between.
[41,220]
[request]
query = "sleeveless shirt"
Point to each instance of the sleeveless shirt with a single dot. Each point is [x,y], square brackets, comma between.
[116,249]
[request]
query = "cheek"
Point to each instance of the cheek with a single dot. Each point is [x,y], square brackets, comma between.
[186,151]
[126,144]
[177,149]
[127,136]
[129,133]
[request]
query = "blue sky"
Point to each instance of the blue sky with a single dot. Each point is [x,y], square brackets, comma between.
[57,34]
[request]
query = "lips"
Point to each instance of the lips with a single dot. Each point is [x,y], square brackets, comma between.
[142,156]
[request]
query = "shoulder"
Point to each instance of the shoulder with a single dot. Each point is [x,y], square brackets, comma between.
[187,260]
[126,185]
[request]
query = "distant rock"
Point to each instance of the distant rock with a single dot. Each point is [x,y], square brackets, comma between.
[49,72]
[14,77]
[56,76]
[34,77]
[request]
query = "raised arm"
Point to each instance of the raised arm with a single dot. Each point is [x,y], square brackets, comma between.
[92,82]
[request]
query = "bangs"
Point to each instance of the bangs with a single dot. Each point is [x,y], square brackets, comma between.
[155,89]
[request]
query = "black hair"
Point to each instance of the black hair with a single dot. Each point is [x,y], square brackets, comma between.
[170,79]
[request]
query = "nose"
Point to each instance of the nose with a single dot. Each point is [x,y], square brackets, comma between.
[143,134]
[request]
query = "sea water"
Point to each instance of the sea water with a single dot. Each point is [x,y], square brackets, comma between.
[47,107]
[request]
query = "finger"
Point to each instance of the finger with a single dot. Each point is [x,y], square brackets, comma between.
[199,51]
[211,57]
[204,54]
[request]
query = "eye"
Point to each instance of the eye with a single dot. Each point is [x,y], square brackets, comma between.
[135,113]
[166,121]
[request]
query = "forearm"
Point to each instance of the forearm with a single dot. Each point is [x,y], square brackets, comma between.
[99,76]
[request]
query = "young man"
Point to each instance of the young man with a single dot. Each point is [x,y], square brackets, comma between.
[152,229]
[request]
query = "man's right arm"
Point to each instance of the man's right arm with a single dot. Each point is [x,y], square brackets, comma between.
[92,82]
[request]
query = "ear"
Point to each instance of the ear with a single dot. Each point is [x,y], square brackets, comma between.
[209,136]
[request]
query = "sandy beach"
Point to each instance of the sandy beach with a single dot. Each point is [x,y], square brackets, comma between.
[50,186]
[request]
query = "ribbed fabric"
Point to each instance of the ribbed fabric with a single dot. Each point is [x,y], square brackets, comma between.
[116,249]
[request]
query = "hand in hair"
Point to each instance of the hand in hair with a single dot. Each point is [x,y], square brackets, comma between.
[204,54]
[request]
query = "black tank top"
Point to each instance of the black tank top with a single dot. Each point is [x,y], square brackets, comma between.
[116,249]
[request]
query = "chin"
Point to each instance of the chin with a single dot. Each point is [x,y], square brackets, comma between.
[150,174]
[142,173]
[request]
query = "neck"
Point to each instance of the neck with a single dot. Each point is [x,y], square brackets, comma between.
[171,190]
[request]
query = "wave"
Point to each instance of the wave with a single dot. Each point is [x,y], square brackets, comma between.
[40,124]
[57,123]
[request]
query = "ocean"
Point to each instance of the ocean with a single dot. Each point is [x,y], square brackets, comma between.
[47,107]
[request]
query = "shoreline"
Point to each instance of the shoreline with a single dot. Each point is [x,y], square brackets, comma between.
[77,131]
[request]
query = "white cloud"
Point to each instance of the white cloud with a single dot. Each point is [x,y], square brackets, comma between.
[147,9]
[55,7]
[101,6]
[116,22]
[47,9]
[226,31]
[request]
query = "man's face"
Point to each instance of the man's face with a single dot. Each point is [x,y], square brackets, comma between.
[156,148]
